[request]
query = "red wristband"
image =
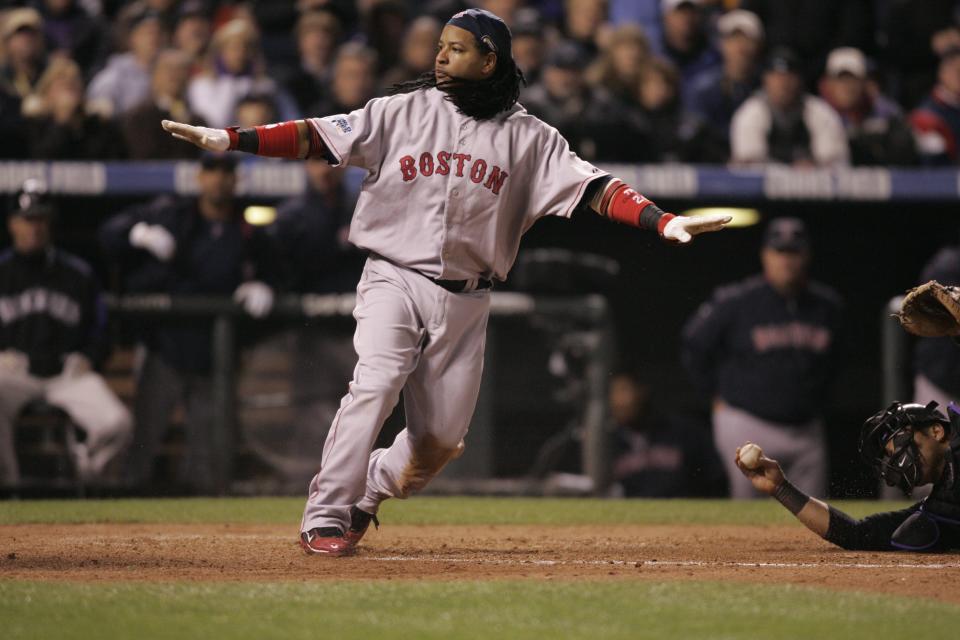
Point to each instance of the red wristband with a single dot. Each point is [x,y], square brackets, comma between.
[234,138]
[626,205]
[280,140]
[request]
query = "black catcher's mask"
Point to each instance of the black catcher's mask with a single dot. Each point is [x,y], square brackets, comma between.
[896,424]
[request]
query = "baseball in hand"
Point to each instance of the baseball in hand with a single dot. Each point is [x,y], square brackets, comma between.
[750,455]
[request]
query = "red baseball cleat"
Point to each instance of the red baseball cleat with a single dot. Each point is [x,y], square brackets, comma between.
[359,523]
[328,541]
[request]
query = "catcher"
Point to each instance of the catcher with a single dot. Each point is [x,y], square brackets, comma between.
[909,445]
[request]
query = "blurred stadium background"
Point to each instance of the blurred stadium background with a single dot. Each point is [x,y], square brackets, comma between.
[78,110]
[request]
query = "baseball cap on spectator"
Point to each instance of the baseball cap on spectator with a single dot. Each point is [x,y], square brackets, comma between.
[740,21]
[847,60]
[214,160]
[19,19]
[786,234]
[670,5]
[567,55]
[783,59]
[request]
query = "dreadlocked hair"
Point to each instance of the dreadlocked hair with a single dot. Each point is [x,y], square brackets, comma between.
[480,99]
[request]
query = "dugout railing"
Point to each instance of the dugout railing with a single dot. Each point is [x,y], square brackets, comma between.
[588,315]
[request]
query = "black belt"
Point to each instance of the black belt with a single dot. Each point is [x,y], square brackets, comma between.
[457,286]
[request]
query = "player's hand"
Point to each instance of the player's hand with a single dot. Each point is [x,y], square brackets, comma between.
[75,365]
[203,137]
[766,477]
[682,229]
[256,298]
[155,239]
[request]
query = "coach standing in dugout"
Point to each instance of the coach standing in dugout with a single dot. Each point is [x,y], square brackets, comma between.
[765,349]
[198,246]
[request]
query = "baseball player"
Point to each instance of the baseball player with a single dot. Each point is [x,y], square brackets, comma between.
[910,445]
[457,172]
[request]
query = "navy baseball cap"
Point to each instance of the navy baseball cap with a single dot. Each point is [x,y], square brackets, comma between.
[487,28]
[785,60]
[786,234]
[32,201]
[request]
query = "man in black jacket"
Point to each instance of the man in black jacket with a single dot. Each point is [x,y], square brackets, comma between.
[51,338]
[188,246]
[910,445]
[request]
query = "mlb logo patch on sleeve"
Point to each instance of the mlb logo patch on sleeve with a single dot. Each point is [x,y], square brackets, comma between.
[341,124]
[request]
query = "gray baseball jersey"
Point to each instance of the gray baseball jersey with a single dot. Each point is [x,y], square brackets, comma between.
[446,196]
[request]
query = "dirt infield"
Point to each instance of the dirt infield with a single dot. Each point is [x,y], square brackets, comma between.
[777,554]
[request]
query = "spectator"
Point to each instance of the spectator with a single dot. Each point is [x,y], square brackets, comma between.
[234,69]
[191,31]
[417,53]
[318,34]
[197,246]
[58,125]
[785,124]
[876,130]
[529,47]
[595,125]
[24,54]
[686,44]
[385,24]
[254,111]
[917,34]
[936,121]
[52,322]
[144,137]
[311,231]
[125,81]
[583,20]
[505,9]
[675,135]
[73,32]
[716,95]
[813,28]
[655,455]
[765,349]
[620,63]
[354,80]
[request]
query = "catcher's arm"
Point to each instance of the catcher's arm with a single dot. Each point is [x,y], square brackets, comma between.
[875,533]
[282,140]
[768,478]
[614,199]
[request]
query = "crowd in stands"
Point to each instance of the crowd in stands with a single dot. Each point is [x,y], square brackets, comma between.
[804,83]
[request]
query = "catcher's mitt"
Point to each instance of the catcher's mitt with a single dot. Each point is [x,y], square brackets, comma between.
[931,310]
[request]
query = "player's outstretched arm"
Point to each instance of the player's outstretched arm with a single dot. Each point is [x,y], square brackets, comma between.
[617,201]
[282,140]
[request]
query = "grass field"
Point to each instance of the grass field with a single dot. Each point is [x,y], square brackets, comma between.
[559,606]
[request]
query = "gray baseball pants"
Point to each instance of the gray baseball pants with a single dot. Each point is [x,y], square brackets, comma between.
[800,449]
[415,336]
[88,401]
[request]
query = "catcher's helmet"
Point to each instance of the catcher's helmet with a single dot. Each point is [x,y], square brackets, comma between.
[896,424]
